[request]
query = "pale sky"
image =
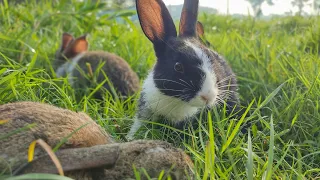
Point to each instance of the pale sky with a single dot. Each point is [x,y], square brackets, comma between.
[242,6]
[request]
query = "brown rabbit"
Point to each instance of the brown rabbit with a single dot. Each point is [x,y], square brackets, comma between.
[52,124]
[115,161]
[88,154]
[73,58]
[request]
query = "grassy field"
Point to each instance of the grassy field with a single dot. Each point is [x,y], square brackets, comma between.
[277,64]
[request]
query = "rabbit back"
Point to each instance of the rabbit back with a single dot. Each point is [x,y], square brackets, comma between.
[51,124]
[118,71]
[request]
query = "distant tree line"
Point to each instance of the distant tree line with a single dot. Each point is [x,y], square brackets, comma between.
[315,4]
[117,4]
[113,3]
[255,4]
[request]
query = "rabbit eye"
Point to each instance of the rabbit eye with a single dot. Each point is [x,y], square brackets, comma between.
[178,67]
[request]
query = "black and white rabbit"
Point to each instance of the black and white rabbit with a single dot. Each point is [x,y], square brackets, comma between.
[187,75]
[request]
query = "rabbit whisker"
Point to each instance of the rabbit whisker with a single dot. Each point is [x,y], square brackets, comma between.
[171,81]
[230,85]
[226,78]
[221,90]
[186,83]
[223,102]
[174,90]
[223,95]
[192,84]
[226,93]
[184,97]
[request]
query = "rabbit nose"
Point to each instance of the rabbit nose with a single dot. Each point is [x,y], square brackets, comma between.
[204,98]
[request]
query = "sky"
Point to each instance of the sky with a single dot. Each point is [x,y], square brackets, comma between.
[242,6]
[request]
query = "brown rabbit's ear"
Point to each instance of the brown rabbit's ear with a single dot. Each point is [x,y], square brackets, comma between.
[200,33]
[200,30]
[66,39]
[188,20]
[74,159]
[77,46]
[156,22]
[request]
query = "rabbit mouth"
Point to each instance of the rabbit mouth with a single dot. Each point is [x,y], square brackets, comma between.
[204,100]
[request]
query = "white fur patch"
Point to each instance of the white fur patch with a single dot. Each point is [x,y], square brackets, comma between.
[209,87]
[67,68]
[134,128]
[171,108]
[62,70]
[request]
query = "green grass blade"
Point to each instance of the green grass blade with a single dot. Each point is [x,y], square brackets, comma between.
[270,151]
[65,139]
[250,159]
[236,129]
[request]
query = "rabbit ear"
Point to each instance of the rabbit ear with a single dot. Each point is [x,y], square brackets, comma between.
[66,39]
[75,159]
[200,33]
[77,46]
[188,18]
[155,22]
[200,30]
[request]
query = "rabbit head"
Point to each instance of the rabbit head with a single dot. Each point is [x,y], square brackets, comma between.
[70,48]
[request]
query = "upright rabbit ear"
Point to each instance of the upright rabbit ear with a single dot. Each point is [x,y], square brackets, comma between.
[200,30]
[66,39]
[156,22]
[104,156]
[200,33]
[77,46]
[188,18]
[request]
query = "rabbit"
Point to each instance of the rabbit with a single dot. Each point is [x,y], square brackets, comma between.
[187,76]
[115,161]
[52,124]
[72,59]
[90,153]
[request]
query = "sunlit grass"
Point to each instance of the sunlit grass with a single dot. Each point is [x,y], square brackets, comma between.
[277,64]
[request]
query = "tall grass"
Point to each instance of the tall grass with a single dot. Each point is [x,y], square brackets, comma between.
[277,64]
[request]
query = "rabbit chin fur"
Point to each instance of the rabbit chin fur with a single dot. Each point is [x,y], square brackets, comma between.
[68,67]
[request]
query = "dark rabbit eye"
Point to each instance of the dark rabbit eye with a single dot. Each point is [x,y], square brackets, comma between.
[178,67]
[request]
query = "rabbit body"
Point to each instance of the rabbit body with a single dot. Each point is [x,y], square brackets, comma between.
[89,154]
[73,57]
[153,156]
[187,76]
[117,70]
[51,124]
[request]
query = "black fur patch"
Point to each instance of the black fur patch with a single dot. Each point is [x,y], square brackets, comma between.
[183,85]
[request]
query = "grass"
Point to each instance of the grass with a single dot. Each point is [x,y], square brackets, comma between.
[277,64]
